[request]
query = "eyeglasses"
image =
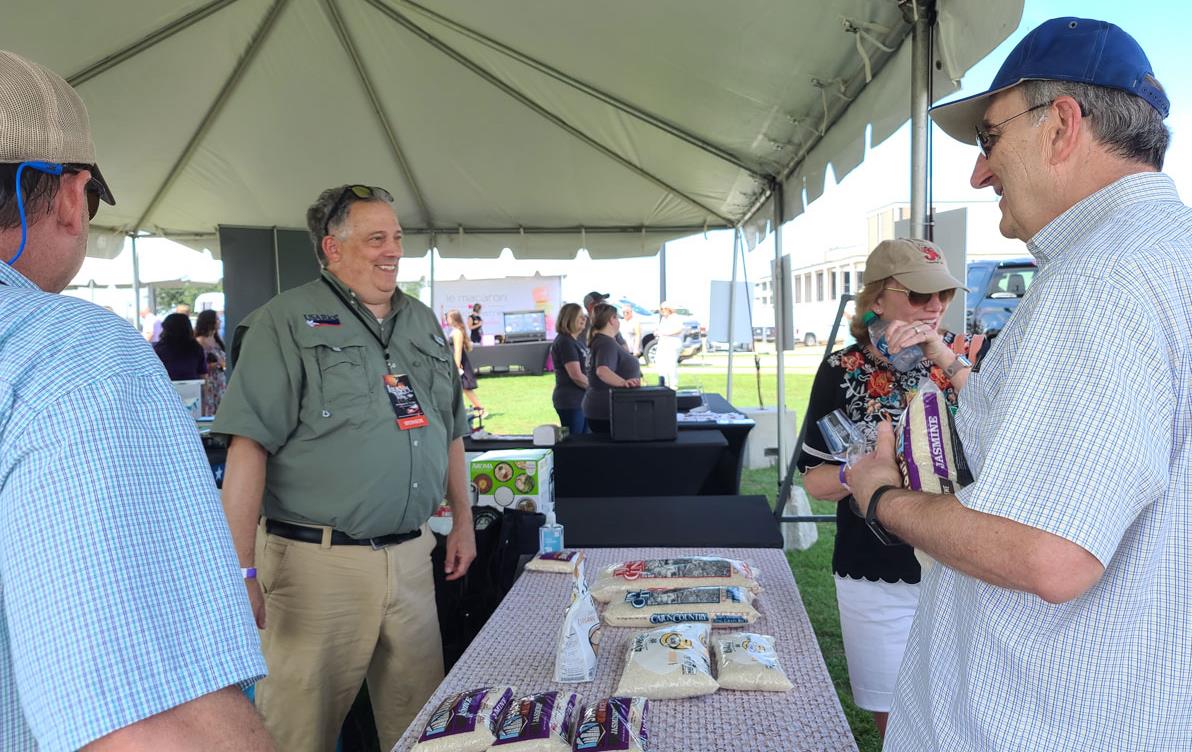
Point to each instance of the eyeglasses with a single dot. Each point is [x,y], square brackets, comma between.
[920,299]
[986,139]
[361,192]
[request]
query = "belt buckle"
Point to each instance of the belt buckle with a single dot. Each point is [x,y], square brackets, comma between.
[375,545]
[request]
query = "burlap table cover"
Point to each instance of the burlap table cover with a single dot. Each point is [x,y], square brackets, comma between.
[517,647]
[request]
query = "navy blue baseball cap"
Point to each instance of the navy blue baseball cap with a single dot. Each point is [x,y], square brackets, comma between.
[1063,49]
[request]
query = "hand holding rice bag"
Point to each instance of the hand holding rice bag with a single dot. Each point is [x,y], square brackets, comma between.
[693,571]
[538,723]
[716,606]
[614,723]
[747,660]
[669,663]
[465,722]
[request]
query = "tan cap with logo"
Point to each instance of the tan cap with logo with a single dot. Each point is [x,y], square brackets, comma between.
[43,119]
[918,264]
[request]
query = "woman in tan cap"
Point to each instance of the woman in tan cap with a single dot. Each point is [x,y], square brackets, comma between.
[877,586]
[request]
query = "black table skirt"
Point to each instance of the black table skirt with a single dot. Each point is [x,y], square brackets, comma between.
[528,356]
[725,478]
[679,521]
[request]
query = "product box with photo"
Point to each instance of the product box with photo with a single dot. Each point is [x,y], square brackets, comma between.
[515,478]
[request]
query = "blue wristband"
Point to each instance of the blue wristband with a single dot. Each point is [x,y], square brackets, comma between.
[249,573]
[843,482]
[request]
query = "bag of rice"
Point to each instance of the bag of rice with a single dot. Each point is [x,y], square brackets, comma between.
[746,660]
[614,723]
[579,637]
[694,571]
[465,722]
[668,663]
[928,451]
[538,723]
[717,606]
[555,561]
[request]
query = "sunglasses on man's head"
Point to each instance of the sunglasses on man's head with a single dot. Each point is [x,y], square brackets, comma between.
[920,299]
[362,193]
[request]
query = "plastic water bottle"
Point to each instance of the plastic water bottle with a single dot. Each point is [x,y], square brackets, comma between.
[903,360]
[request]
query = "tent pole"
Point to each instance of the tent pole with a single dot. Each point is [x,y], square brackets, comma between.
[136,284]
[432,278]
[921,54]
[662,274]
[779,285]
[732,309]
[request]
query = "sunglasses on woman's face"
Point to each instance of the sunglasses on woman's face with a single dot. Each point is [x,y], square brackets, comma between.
[920,299]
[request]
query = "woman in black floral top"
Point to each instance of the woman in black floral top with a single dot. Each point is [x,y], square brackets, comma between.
[877,586]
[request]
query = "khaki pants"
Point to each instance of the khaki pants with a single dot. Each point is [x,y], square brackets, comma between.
[336,616]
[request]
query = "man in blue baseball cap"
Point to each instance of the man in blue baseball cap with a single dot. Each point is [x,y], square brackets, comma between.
[1060,616]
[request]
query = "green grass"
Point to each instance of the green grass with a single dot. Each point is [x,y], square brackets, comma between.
[518,403]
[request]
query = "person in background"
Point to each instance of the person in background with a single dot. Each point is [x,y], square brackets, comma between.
[207,334]
[877,586]
[631,330]
[178,349]
[1059,616]
[124,625]
[609,365]
[569,357]
[670,344]
[150,326]
[460,347]
[475,324]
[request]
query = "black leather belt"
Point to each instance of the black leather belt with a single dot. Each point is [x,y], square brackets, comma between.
[315,535]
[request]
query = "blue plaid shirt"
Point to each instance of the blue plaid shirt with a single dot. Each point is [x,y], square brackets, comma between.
[1078,423]
[120,593]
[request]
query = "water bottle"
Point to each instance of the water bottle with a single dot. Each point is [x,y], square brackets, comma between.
[903,360]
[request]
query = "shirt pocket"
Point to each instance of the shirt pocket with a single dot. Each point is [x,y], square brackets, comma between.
[432,367]
[342,376]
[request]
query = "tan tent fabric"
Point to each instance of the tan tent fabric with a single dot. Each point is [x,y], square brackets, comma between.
[520,122]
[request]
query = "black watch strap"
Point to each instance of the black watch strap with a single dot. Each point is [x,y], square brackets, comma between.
[871,521]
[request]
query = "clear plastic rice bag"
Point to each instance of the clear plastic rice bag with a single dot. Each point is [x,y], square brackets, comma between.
[579,635]
[614,723]
[668,663]
[747,660]
[693,571]
[465,722]
[538,723]
[715,606]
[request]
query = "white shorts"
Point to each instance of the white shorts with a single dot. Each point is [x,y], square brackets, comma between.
[875,621]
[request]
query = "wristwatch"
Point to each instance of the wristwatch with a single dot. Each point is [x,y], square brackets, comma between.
[956,366]
[871,522]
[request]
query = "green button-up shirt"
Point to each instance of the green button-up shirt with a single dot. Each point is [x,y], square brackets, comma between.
[308,387]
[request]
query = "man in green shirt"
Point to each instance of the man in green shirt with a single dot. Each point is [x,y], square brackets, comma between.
[346,422]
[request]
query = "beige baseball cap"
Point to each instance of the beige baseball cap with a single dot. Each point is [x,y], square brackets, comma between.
[42,119]
[917,264]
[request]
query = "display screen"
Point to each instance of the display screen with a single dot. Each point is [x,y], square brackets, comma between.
[522,322]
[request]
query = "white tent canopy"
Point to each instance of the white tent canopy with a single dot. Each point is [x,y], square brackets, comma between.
[540,125]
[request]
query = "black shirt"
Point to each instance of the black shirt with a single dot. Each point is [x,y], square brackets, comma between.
[604,351]
[566,349]
[852,380]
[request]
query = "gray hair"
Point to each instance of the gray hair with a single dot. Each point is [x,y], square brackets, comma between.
[320,216]
[1127,125]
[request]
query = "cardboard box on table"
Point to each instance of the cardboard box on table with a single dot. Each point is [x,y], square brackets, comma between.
[515,479]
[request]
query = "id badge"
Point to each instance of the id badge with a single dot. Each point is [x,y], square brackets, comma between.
[404,402]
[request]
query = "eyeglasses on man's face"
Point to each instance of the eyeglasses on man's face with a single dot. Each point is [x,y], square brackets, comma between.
[986,139]
[361,192]
[920,299]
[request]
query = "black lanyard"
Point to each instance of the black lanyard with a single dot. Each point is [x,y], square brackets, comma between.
[364,322]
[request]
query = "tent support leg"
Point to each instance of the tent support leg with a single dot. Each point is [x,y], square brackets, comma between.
[136,283]
[732,309]
[779,285]
[921,54]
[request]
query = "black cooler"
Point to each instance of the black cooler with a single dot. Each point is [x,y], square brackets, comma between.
[647,413]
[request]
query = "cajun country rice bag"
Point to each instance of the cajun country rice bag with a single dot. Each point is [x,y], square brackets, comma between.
[668,663]
[614,723]
[716,606]
[747,660]
[538,723]
[465,722]
[694,571]
[555,561]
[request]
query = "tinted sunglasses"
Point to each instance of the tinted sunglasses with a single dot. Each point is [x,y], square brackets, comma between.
[361,192]
[94,188]
[920,299]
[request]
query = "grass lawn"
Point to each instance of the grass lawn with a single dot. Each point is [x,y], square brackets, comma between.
[519,403]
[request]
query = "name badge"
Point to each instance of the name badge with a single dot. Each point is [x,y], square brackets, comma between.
[404,402]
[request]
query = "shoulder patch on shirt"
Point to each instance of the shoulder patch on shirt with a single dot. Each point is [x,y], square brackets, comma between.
[321,319]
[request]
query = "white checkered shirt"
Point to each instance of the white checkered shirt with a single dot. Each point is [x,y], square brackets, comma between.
[1079,422]
[120,595]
